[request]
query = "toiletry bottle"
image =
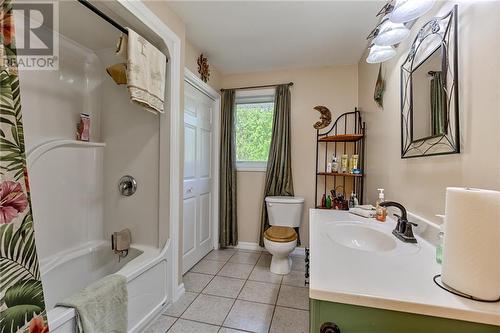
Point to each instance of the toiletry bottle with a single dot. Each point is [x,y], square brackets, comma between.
[323,200]
[439,246]
[335,164]
[351,200]
[329,167]
[381,212]
[344,161]
[328,202]
[355,199]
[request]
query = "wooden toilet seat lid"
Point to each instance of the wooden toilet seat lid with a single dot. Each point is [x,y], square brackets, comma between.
[280,234]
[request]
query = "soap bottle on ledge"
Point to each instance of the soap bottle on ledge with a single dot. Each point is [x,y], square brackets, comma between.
[381,212]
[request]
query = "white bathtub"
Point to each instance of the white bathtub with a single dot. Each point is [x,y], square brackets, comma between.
[65,274]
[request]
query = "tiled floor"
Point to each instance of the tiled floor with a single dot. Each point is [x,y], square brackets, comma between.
[232,291]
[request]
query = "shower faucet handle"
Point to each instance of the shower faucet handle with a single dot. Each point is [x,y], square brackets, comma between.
[127,185]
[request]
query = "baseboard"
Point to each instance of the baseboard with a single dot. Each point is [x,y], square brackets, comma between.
[179,292]
[249,246]
[298,251]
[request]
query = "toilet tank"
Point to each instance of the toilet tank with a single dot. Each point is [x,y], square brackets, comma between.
[284,211]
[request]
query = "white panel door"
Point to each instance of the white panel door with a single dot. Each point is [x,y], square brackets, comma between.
[198,176]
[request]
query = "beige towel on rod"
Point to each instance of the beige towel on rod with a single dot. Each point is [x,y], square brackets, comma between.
[146,68]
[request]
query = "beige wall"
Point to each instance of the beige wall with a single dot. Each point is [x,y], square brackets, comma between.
[420,183]
[333,87]
[188,52]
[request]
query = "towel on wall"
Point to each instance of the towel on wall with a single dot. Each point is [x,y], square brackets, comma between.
[101,306]
[146,68]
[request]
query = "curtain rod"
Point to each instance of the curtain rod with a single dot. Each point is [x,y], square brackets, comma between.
[103,16]
[257,87]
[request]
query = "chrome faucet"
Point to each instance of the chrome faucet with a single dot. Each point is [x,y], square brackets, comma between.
[403,230]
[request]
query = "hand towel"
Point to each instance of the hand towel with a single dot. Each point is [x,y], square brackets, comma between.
[101,306]
[146,68]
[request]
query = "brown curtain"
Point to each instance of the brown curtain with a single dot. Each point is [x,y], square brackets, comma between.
[228,226]
[279,164]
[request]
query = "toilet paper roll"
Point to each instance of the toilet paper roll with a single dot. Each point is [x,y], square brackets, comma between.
[471,254]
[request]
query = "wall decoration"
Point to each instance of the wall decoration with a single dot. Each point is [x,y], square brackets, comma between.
[378,95]
[203,68]
[22,306]
[325,119]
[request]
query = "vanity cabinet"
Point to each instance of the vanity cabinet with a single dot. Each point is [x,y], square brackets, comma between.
[360,319]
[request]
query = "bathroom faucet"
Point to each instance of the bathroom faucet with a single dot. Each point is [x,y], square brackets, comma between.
[403,230]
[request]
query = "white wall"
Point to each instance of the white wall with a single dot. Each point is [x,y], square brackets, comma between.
[420,183]
[333,87]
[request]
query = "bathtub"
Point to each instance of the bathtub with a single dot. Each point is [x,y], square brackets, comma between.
[144,267]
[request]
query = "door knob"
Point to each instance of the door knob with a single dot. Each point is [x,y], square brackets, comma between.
[329,328]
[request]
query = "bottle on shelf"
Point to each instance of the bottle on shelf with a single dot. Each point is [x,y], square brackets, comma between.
[329,167]
[335,164]
[328,204]
[381,212]
[344,163]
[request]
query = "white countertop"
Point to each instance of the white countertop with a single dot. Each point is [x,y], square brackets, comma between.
[395,280]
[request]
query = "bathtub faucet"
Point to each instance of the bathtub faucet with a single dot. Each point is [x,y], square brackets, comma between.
[120,242]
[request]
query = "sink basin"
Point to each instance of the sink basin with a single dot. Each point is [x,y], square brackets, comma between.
[361,237]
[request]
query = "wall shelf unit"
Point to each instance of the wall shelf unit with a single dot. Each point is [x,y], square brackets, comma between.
[346,136]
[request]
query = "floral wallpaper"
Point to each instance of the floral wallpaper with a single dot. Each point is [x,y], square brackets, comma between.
[22,307]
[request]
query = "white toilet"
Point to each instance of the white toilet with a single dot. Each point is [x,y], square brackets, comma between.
[281,239]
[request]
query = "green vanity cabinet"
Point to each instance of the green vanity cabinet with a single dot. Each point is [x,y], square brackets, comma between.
[360,319]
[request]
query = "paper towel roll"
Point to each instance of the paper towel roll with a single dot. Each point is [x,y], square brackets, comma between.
[471,254]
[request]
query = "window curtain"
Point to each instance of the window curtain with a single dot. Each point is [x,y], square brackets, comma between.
[437,104]
[279,164]
[228,227]
[22,306]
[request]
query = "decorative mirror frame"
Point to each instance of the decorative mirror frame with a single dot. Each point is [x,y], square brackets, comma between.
[449,141]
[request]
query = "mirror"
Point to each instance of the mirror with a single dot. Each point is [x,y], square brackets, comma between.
[429,93]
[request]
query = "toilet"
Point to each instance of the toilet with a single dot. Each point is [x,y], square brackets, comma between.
[280,239]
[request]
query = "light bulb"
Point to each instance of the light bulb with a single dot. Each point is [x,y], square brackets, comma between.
[380,54]
[409,10]
[391,33]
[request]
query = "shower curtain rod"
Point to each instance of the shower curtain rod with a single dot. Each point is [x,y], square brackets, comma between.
[103,16]
[258,87]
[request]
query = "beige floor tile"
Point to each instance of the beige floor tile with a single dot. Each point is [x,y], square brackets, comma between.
[220,255]
[263,274]
[265,260]
[260,292]
[206,266]
[298,263]
[208,309]
[290,321]
[295,278]
[176,309]
[224,286]
[195,282]
[230,330]
[249,316]
[187,326]
[249,258]
[160,325]
[239,271]
[294,297]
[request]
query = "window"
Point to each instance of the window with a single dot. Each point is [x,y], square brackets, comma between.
[254,125]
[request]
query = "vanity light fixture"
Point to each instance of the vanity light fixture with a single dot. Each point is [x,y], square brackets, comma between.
[409,10]
[390,33]
[380,54]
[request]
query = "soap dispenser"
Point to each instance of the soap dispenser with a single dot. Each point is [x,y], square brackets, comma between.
[381,212]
